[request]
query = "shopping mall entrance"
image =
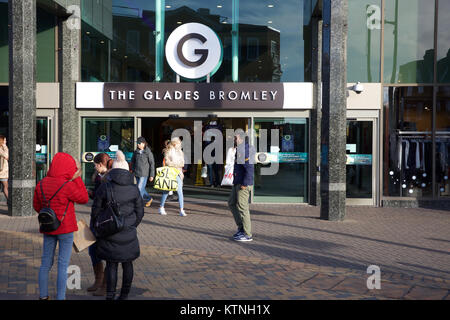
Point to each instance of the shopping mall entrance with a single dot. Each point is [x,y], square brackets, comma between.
[158,130]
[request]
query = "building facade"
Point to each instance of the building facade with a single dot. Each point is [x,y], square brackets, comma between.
[398,117]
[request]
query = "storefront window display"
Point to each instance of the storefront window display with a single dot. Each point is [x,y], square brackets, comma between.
[408,149]
[443,142]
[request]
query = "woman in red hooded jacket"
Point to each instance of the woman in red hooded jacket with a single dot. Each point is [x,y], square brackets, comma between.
[63,169]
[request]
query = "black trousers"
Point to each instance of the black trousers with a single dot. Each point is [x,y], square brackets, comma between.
[111,277]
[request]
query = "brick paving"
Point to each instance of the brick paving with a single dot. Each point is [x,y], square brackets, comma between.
[294,255]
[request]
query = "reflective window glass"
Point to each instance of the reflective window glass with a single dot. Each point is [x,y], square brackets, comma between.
[45,44]
[409,41]
[4,54]
[216,14]
[363,42]
[443,42]
[124,40]
[118,41]
[272,36]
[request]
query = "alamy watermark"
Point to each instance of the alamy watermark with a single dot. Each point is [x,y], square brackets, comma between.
[73,277]
[258,152]
[374,281]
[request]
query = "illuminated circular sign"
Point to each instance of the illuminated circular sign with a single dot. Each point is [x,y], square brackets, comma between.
[193,51]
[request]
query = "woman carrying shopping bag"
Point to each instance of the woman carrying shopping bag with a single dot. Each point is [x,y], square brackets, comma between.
[64,187]
[174,157]
[123,246]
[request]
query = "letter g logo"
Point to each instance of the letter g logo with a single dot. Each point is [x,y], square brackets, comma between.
[202,52]
[193,51]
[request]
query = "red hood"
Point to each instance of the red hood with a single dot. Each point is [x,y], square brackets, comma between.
[62,166]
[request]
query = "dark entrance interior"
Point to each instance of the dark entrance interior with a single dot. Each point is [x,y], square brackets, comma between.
[157,130]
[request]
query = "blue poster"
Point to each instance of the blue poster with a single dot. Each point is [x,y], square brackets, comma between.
[287,143]
[103,143]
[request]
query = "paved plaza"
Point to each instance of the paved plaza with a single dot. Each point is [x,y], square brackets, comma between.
[294,254]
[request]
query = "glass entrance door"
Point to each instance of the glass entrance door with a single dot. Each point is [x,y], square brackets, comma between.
[43,144]
[105,135]
[289,183]
[360,162]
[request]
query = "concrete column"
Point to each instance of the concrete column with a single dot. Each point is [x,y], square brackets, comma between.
[316,113]
[69,73]
[333,131]
[22,106]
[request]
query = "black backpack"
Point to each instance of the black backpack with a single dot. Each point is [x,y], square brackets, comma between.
[48,221]
[109,220]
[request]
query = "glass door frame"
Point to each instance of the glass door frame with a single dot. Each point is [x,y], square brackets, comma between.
[51,116]
[286,114]
[371,116]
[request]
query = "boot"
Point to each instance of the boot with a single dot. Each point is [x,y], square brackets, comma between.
[124,293]
[101,291]
[99,275]
[110,295]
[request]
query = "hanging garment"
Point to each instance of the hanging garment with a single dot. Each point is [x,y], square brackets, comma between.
[417,154]
[399,154]
[406,154]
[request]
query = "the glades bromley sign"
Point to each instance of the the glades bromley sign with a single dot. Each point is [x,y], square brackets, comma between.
[194,51]
[193,95]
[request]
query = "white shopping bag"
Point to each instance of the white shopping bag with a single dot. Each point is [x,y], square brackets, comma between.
[228,176]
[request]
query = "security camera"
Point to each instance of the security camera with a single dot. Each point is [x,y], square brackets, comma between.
[358,87]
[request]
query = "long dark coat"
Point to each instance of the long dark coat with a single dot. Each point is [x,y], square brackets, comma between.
[124,245]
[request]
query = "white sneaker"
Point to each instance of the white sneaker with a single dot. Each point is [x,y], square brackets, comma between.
[182,213]
[162,211]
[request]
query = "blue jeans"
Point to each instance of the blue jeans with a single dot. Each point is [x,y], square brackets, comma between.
[48,253]
[142,182]
[179,191]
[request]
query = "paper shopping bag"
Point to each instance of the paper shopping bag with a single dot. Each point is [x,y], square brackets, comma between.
[84,237]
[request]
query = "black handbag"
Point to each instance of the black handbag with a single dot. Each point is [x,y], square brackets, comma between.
[48,221]
[109,220]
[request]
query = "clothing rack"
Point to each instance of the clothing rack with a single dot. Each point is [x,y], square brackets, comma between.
[422,134]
